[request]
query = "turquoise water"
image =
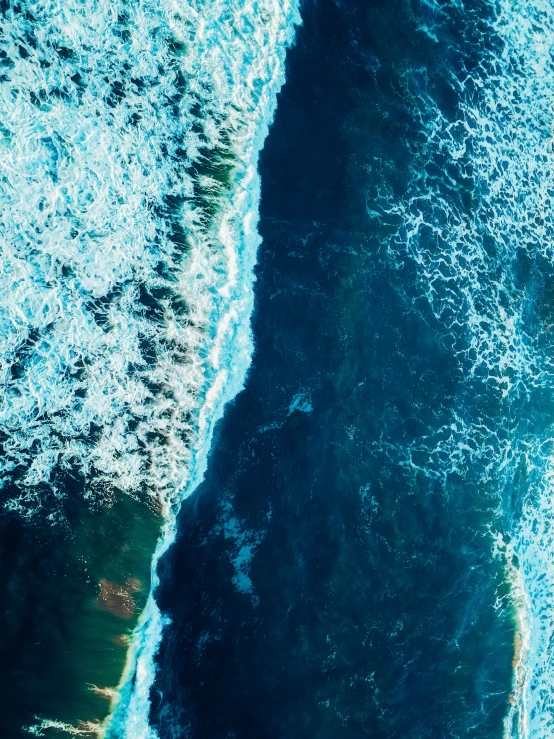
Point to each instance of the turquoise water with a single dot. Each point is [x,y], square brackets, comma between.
[368,552]
[129,194]
[333,221]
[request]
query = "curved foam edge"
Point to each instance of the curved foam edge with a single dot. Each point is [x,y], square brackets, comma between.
[232,353]
[469,260]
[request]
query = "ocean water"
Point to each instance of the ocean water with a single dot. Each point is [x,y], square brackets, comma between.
[369,552]
[276,325]
[129,197]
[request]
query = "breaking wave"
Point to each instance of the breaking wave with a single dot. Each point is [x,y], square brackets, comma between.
[475,230]
[128,181]
[129,139]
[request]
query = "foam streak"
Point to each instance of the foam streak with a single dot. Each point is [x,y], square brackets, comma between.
[128,220]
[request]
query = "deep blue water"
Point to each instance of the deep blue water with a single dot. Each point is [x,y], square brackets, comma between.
[371,549]
[321,584]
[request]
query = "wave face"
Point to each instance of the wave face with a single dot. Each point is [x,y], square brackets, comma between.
[475,230]
[129,200]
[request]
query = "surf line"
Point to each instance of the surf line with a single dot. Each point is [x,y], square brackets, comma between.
[235,228]
[516,722]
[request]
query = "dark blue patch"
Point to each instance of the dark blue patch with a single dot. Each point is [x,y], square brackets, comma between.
[366,605]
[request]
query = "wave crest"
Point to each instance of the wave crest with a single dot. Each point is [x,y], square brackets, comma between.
[127,205]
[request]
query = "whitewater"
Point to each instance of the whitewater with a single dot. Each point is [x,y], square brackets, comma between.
[479,236]
[129,195]
[128,210]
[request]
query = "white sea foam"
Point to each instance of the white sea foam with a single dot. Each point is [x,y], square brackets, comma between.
[252,64]
[85,729]
[515,722]
[118,123]
[498,147]
[129,197]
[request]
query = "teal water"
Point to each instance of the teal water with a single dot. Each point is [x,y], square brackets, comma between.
[346,569]
[129,136]
[305,336]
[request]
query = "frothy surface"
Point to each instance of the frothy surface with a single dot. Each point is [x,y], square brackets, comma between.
[404,381]
[128,204]
[128,224]
[476,225]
